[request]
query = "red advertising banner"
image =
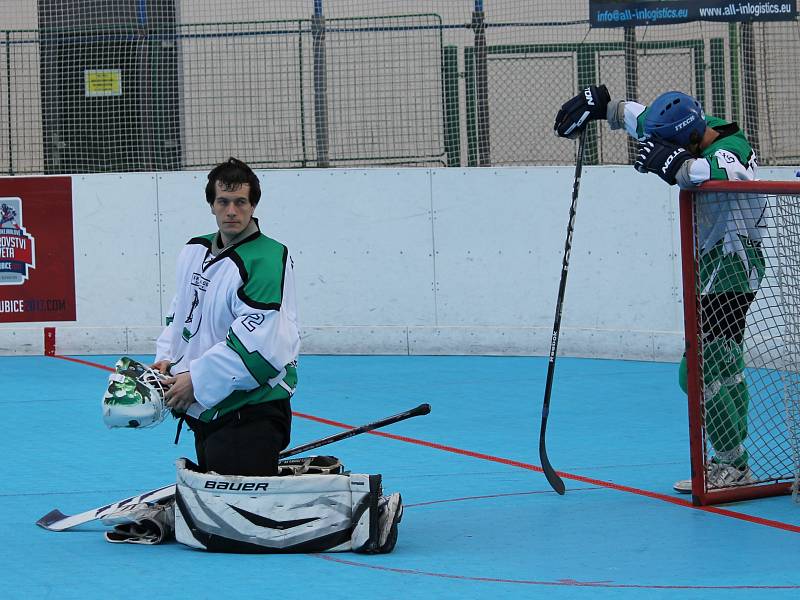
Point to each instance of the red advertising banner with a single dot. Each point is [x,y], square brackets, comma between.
[37,267]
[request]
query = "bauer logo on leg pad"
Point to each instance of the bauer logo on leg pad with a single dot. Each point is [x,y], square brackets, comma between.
[236,486]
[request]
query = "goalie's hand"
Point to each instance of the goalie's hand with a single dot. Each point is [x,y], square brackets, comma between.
[662,158]
[162,366]
[180,394]
[589,105]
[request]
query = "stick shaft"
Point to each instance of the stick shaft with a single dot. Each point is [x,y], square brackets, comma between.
[549,472]
[422,409]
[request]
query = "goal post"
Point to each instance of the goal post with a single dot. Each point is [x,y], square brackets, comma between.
[740,247]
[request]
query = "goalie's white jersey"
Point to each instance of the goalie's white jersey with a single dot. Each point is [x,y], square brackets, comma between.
[233,324]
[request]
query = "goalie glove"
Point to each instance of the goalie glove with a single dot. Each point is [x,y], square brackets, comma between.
[311,465]
[142,524]
[590,105]
[662,158]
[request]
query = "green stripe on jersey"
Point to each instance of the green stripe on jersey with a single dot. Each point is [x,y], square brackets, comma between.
[259,367]
[264,261]
[736,144]
[722,271]
[240,398]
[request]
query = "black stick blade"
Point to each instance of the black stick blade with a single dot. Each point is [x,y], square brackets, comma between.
[552,477]
[50,518]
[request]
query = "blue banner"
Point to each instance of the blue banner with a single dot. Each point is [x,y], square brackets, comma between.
[624,13]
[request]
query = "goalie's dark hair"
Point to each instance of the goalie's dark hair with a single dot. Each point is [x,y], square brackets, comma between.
[231,174]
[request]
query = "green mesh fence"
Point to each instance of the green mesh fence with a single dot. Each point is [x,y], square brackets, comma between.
[97,86]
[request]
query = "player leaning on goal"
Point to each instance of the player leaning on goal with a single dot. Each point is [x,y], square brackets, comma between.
[682,145]
[229,356]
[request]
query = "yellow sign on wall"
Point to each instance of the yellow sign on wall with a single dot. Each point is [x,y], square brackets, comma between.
[102,82]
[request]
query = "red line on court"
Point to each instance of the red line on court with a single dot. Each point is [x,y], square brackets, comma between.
[559,582]
[582,479]
[83,362]
[530,467]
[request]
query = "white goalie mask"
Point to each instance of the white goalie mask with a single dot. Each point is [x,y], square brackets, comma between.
[135,396]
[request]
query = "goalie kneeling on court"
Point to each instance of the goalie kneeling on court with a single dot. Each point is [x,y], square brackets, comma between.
[314,507]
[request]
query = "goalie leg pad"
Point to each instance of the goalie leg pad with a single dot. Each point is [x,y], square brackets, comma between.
[391,512]
[245,514]
[376,531]
[142,524]
[366,529]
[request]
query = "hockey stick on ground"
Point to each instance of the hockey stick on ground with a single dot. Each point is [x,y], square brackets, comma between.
[555,481]
[55,520]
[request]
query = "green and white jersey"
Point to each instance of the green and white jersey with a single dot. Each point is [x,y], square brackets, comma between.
[233,324]
[729,226]
[729,158]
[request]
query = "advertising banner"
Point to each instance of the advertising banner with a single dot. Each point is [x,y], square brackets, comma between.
[625,13]
[37,268]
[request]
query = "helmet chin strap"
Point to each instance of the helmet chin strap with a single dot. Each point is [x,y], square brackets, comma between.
[709,136]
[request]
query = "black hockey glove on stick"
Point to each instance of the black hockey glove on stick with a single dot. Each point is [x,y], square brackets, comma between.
[589,105]
[662,158]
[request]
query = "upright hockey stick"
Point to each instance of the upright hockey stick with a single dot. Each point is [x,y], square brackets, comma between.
[549,472]
[55,520]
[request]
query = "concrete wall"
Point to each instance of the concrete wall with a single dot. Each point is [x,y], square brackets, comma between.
[397,261]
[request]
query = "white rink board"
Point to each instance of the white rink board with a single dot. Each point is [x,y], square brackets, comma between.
[116,249]
[399,261]
[362,243]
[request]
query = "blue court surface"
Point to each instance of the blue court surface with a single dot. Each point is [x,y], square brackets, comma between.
[480,519]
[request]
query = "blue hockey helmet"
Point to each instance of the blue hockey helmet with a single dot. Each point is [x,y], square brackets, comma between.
[674,117]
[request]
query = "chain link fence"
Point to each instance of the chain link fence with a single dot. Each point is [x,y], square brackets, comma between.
[148,85]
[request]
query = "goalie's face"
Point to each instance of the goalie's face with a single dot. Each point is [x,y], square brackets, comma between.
[232,209]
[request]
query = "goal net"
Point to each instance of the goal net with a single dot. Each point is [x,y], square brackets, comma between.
[740,243]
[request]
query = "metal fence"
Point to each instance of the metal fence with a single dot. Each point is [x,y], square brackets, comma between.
[93,86]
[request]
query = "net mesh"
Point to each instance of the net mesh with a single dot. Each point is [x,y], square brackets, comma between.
[97,86]
[748,278]
[788,210]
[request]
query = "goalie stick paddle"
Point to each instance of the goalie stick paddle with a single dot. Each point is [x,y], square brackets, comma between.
[552,477]
[55,520]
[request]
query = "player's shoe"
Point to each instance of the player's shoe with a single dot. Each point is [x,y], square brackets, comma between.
[390,512]
[718,476]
